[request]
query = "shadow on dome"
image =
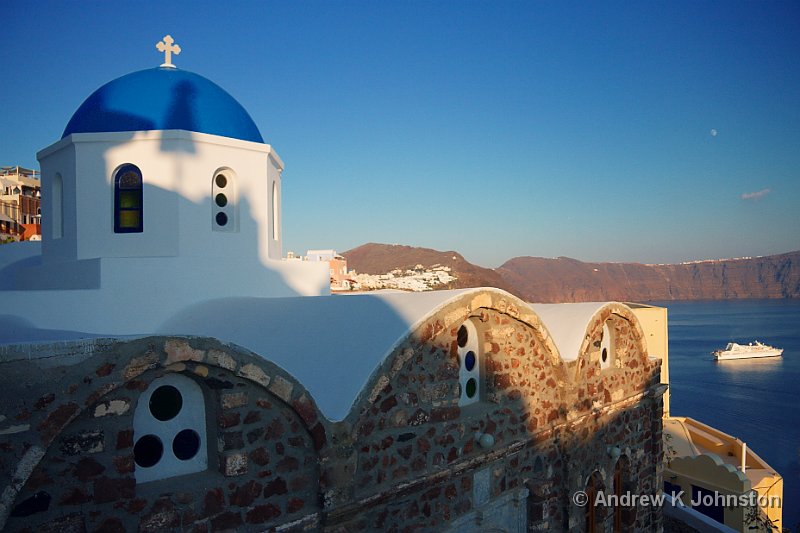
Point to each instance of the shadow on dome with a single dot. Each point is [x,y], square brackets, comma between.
[182,110]
[96,116]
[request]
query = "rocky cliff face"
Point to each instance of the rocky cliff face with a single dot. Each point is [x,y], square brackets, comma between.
[382,258]
[568,280]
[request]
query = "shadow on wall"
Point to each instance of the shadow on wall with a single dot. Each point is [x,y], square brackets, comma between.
[145,271]
[406,455]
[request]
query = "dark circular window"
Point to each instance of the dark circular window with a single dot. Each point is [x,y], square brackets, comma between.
[469,360]
[221,181]
[148,451]
[221,200]
[472,387]
[186,444]
[222,219]
[604,354]
[166,402]
[463,336]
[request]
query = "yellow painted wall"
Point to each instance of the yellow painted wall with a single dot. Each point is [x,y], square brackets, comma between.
[654,324]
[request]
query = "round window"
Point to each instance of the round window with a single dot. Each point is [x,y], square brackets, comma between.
[472,387]
[166,402]
[148,451]
[222,219]
[186,444]
[462,337]
[221,181]
[469,361]
[604,354]
[221,200]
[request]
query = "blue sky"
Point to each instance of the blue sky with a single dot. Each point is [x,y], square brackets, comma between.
[497,129]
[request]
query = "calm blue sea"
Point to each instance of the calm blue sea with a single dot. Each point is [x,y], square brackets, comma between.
[758,400]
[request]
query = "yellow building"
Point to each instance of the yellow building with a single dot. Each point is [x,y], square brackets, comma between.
[711,472]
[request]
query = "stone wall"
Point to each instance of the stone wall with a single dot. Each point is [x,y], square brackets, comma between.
[74,459]
[407,458]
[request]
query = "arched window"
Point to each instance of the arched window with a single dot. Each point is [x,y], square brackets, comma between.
[275,217]
[594,513]
[58,207]
[223,197]
[623,515]
[169,429]
[128,213]
[469,373]
[608,351]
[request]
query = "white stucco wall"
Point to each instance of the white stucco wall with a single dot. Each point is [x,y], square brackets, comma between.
[96,281]
[177,171]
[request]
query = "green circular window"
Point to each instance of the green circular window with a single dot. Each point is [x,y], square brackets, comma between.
[221,200]
[472,387]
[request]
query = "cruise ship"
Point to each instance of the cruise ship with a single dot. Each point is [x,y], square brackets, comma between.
[746,351]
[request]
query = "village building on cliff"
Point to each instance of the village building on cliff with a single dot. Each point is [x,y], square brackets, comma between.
[164,370]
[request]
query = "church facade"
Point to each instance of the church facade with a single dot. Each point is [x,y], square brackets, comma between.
[172,375]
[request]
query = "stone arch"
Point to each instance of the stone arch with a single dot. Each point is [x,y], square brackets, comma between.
[628,370]
[445,319]
[624,515]
[101,393]
[594,515]
[617,315]
[407,421]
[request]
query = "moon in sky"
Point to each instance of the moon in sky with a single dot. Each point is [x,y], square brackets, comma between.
[713,133]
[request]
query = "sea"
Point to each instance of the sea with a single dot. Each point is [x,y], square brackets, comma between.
[757,401]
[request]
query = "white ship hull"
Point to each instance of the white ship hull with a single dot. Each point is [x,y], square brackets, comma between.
[750,351]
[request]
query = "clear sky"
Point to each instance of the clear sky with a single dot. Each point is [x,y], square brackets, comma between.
[604,131]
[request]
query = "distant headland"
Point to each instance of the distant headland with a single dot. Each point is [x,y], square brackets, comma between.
[563,279]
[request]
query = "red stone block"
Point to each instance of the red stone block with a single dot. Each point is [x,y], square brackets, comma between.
[88,468]
[228,420]
[110,490]
[77,496]
[294,505]
[213,502]
[105,369]
[245,495]
[125,439]
[226,521]
[56,420]
[262,513]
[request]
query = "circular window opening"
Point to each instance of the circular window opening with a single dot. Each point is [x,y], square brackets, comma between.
[222,219]
[604,354]
[221,181]
[148,451]
[221,200]
[463,336]
[166,402]
[469,361]
[186,444]
[472,387]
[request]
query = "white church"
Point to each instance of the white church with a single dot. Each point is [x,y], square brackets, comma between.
[161,369]
[160,193]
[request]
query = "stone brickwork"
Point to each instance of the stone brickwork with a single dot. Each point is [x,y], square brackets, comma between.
[264,437]
[406,458]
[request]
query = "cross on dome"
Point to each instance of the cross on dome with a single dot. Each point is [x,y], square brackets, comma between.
[166,46]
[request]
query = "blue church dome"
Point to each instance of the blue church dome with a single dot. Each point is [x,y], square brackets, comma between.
[163,99]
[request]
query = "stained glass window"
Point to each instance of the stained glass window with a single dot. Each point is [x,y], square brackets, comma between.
[128,216]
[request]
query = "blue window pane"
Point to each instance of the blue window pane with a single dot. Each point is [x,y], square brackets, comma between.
[469,361]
